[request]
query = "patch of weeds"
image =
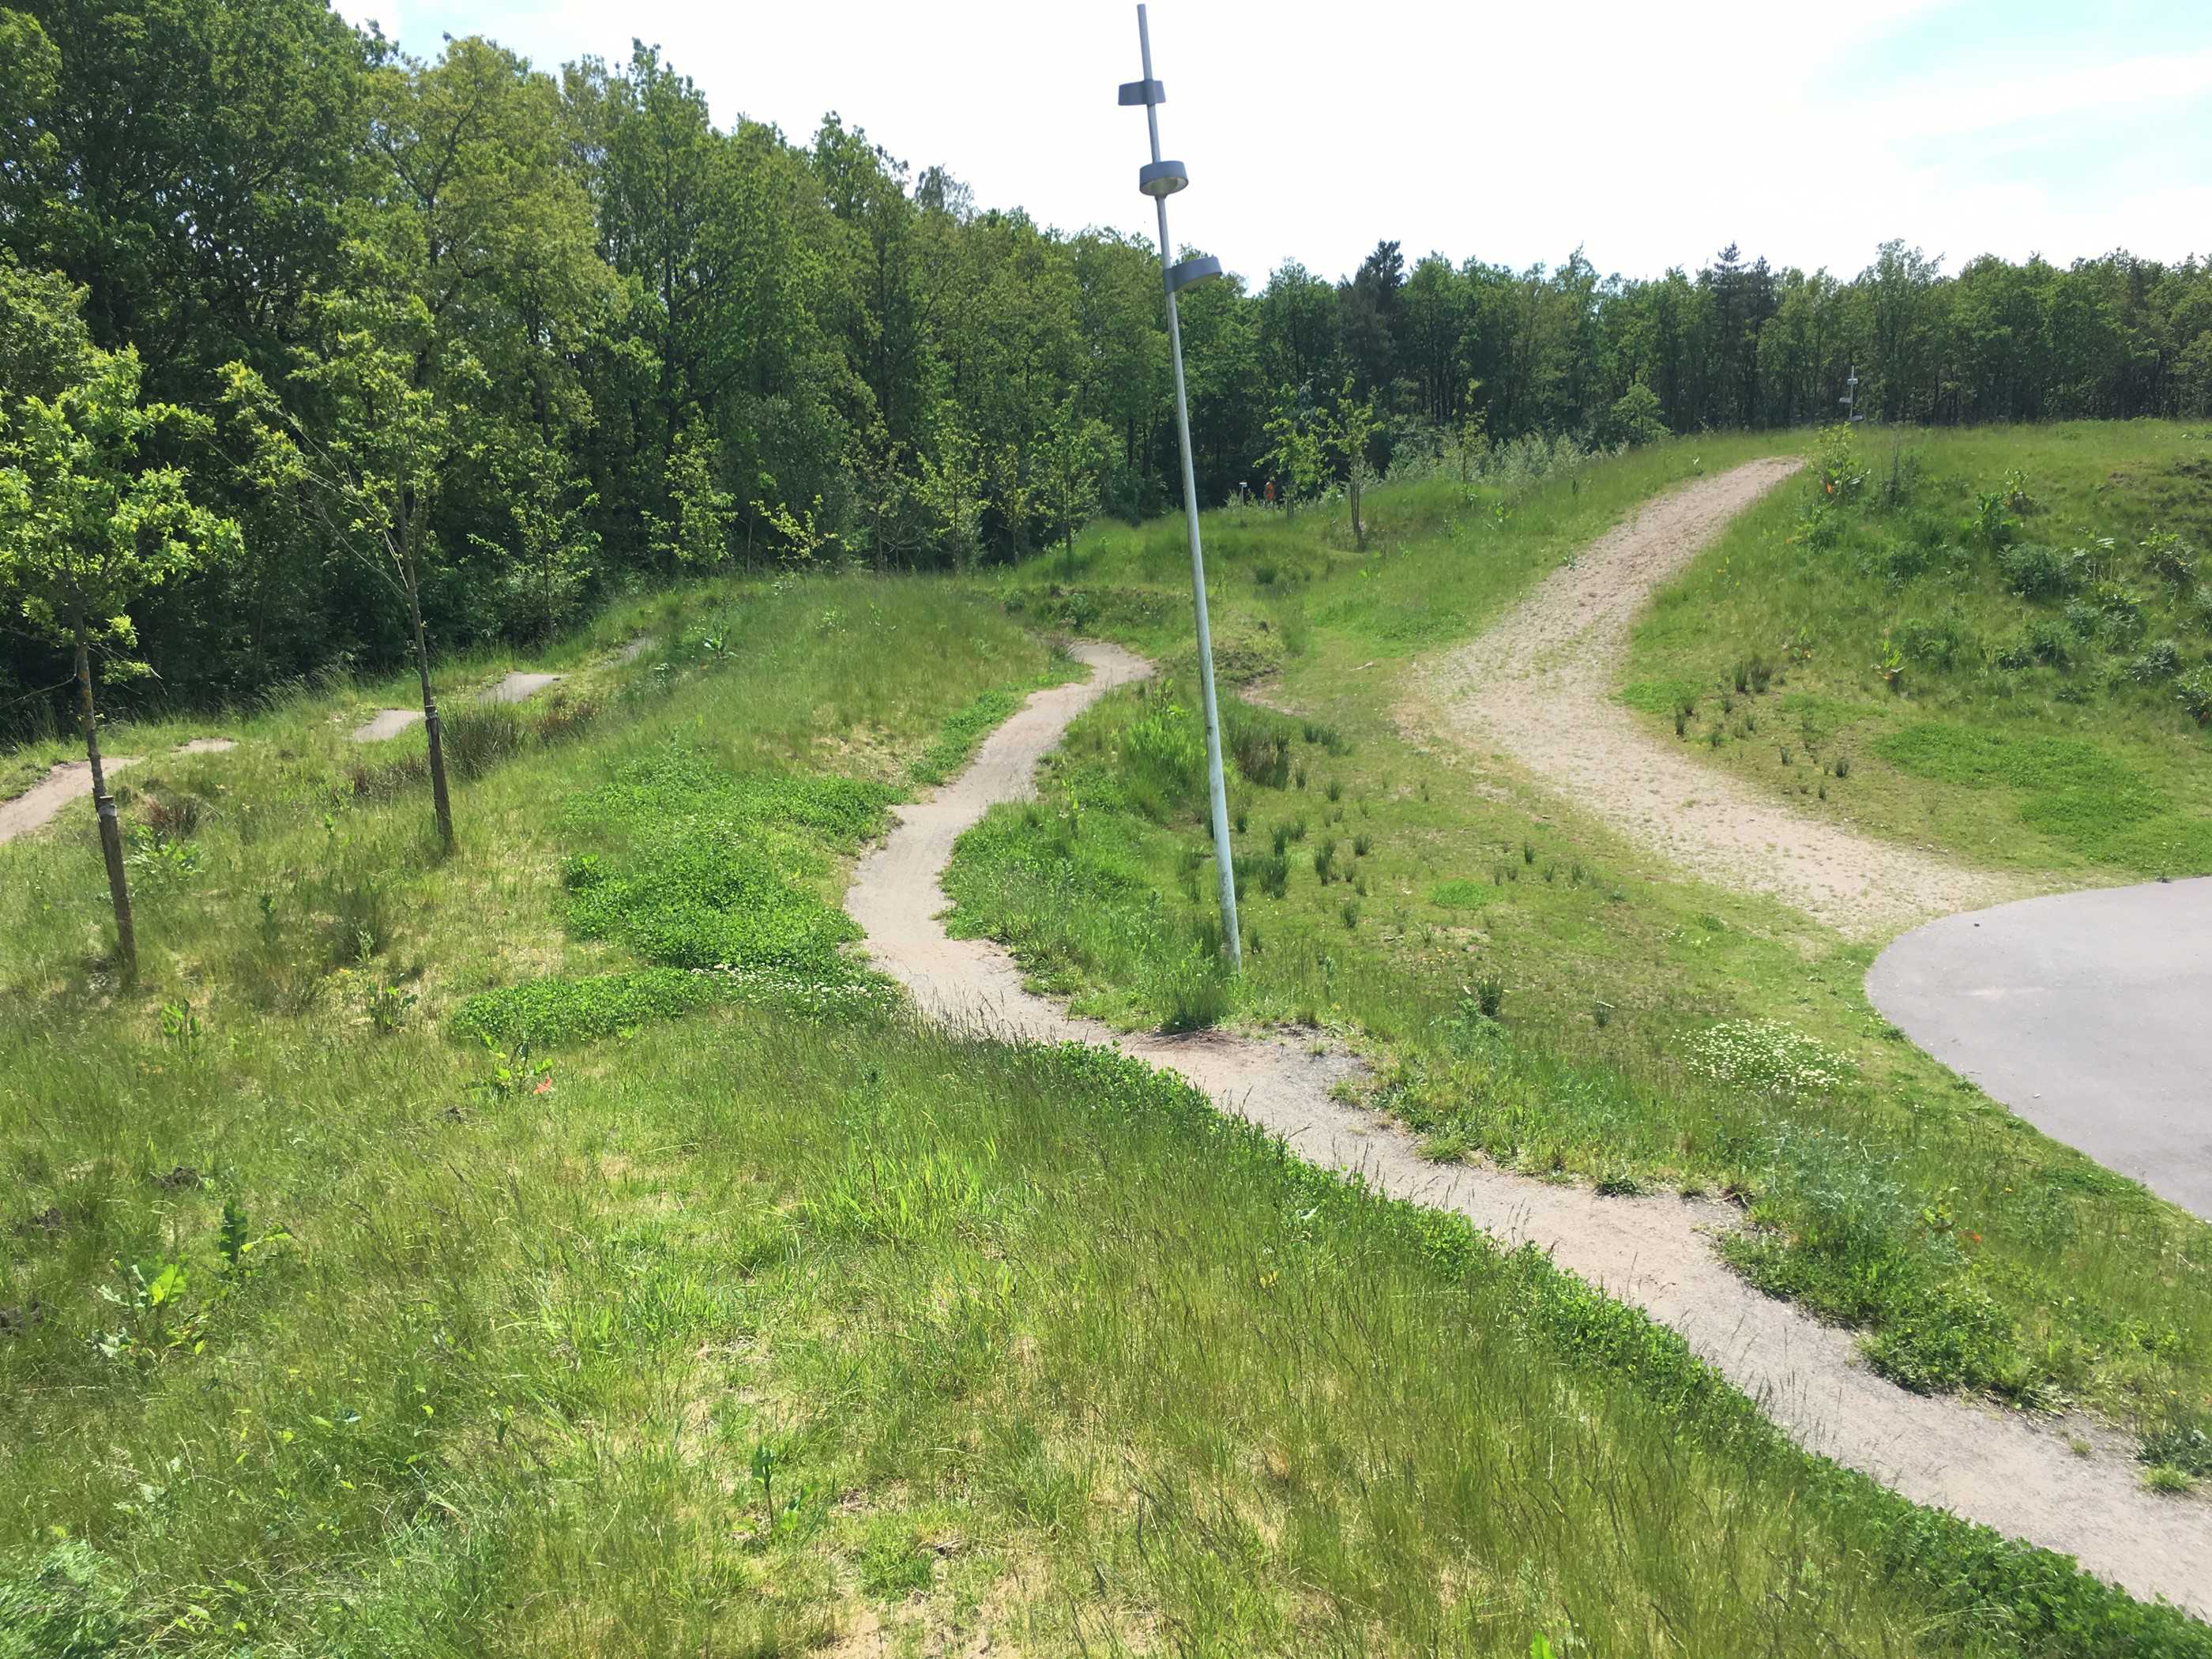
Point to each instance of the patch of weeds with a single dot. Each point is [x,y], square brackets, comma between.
[1194,989]
[1461,894]
[1269,873]
[2182,1441]
[1324,860]
[1768,1055]
[388,1006]
[72,1603]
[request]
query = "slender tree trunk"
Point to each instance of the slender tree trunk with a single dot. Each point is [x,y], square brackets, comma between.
[111,832]
[440,801]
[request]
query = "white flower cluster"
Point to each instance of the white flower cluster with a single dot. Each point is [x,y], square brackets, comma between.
[770,987]
[1769,1056]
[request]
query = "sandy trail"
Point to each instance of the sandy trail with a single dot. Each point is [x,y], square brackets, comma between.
[2018,1476]
[1538,688]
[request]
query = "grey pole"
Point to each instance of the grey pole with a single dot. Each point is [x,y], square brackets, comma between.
[1159,181]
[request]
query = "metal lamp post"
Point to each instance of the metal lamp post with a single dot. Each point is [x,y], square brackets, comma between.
[1160,179]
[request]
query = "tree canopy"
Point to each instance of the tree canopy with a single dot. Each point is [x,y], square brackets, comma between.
[649,343]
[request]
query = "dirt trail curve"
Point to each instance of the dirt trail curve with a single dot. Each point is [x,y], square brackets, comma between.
[70,780]
[2003,1470]
[1538,688]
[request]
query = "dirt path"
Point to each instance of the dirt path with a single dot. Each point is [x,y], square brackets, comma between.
[514,687]
[1538,688]
[70,780]
[43,801]
[2001,1469]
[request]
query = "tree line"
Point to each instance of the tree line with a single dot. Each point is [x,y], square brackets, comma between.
[424,351]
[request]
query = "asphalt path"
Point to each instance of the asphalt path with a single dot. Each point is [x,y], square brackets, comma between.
[2089,1014]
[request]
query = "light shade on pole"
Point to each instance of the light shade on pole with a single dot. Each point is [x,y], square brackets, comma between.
[1159,180]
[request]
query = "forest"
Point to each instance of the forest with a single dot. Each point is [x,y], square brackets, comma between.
[359,347]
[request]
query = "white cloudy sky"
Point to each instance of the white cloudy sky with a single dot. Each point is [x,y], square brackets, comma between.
[1649,133]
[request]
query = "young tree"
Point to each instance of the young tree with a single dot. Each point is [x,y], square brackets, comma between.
[1350,426]
[85,526]
[695,532]
[1293,458]
[951,490]
[389,425]
[1633,419]
[1073,454]
[555,550]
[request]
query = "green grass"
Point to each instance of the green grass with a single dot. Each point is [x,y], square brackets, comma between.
[2004,682]
[1970,1250]
[755,1325]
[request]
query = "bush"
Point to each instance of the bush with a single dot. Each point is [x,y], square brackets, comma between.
[2035,572]
[2155,664]
[1941,643]
[2195,690]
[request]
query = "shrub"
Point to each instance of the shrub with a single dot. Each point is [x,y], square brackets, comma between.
[2169,557]
[2036,571]
[1941,642]
[2195,690]
[2156,664]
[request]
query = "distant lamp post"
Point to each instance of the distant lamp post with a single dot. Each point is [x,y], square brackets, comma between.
[1160,179]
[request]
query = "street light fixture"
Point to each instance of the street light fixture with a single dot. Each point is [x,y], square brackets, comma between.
[1160,179]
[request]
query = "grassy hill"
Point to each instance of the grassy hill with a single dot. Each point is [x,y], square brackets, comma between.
[2004,635]
[735,1314]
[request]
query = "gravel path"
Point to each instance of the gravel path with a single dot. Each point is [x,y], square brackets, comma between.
[1538,688]
[2003,1469]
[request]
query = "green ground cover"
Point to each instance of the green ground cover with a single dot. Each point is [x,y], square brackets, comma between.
[2004,634]
[1532,989]
[752,1324]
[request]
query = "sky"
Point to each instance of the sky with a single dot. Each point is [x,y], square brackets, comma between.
[1648,134]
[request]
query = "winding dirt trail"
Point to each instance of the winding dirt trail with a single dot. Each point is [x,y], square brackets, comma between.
[2018,1476]
[1538,688]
